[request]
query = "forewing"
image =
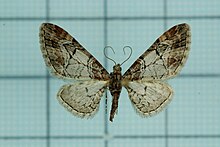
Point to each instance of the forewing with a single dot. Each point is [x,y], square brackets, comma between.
[165,58]
[149,97]
[66,58]
[82,98]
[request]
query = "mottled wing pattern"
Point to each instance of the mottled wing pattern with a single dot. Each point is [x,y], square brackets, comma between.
[66,58]
[144,80]
[82,98]
[165,58]
[149,97]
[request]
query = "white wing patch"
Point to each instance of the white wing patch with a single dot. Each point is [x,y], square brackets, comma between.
[82,98]
[149,97]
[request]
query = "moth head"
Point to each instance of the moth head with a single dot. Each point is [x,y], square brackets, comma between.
[117,68]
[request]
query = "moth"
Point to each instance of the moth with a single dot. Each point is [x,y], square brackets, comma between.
[145,80]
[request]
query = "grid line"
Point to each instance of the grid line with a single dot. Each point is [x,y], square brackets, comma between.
[106,132]
[47,5]
[108,18]
[102,137]
[164,136]
[166,110]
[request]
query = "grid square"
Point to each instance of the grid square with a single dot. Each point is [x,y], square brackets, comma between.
[129,123]
[204,53]
[22,107]
[132,8]
[88,33]
[63,123]
[24,8]
[76,8]
[195,107]
[193,8]
[140,35]
[20,49]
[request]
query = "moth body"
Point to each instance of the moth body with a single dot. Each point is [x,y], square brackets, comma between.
[115,87]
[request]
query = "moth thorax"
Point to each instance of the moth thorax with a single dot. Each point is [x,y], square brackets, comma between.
[115,80]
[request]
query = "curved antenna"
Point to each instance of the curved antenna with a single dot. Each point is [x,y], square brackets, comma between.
[125,53]
[107,56]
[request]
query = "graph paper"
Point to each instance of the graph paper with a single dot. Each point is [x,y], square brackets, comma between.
[29,112]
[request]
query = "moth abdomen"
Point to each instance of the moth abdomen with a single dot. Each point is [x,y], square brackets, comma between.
[114,105]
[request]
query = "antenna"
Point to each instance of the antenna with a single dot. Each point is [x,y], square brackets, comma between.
[114,53]
[125,53]
[107,56]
